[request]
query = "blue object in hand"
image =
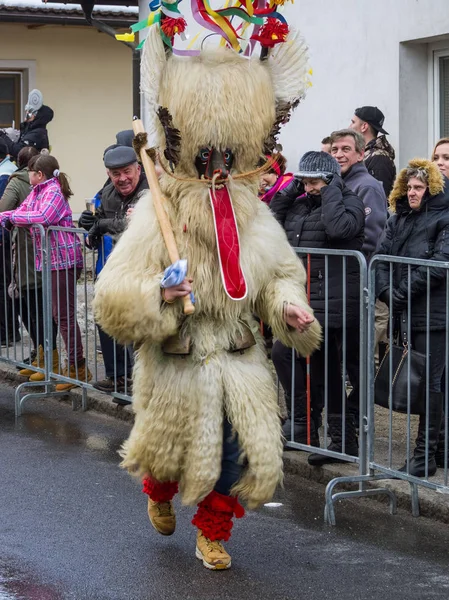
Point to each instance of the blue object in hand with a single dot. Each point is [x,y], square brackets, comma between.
[175,274]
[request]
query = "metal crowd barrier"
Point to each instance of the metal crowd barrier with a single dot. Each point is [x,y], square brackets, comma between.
[28,328]
[390,433]
[28,321]
[385,457]
[350,338]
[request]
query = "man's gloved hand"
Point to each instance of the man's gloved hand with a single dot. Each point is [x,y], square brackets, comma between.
[94,236]
[87,220]
[385,297]
[398,302]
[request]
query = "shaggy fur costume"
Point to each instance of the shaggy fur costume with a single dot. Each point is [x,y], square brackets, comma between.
[222,100]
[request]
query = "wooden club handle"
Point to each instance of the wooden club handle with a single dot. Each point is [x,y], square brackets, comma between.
[158,202]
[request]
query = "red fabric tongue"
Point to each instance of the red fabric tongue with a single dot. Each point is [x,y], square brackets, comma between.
[228,244]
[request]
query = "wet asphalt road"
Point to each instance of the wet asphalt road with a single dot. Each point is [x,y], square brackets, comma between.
[74,526]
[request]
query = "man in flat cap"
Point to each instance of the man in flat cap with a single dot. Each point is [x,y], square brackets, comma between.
[126,181]
[379,154]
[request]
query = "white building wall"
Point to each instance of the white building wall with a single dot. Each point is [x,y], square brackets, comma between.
[366,52]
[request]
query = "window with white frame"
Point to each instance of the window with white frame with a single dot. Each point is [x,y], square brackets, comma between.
[11,93]
[440,59]
[443,68]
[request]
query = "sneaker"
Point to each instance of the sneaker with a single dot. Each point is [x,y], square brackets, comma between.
[162,516]
[213,554]
[107,385]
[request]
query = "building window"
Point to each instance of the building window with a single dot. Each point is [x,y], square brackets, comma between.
[10,98]
[443,68]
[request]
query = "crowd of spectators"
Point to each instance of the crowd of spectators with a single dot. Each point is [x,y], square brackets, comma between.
[336,201]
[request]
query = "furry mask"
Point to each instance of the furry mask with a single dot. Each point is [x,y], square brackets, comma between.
[254,98]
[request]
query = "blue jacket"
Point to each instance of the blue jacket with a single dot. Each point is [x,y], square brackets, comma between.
[6,169]
[105,248]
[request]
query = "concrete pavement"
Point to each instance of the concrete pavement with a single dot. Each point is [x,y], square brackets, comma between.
[74,527]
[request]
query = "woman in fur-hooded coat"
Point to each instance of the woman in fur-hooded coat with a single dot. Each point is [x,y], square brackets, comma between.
[217,100]
[420,231]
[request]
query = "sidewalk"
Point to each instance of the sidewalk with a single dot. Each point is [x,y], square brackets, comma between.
[432,504]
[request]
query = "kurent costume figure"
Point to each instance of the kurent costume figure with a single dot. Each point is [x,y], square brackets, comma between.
[206,414]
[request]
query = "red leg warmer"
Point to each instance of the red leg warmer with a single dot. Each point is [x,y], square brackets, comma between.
[214,516]
[159,491]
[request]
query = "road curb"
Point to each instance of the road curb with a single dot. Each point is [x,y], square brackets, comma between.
[433,505]
[95,400]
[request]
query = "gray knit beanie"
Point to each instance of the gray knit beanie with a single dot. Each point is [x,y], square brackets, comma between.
[318,165]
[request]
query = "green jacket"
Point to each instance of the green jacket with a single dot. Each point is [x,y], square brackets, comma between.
[16,191]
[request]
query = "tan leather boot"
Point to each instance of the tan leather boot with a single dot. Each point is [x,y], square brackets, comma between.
[162,516]
[37,362]
[55,366]
[83,374]
[213,554]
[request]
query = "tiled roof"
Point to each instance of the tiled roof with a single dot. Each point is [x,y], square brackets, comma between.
[37,8]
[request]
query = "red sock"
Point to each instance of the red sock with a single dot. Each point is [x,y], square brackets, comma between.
[160,491]
[214,515]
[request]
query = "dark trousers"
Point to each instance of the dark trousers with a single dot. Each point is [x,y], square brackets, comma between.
[353,369]
[117,363]
[231,467]
[63,293]
[282,359]
[9,323]
[437,355]
[32,316]
[336,392]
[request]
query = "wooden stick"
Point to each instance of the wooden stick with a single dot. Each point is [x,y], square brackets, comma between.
[158,202]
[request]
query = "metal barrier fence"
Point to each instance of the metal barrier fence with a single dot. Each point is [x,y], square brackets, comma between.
[407,391]
[345,350]
[48,310]
[48,322]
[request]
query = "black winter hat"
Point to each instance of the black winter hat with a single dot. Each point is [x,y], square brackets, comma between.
[318,165]
[373,116]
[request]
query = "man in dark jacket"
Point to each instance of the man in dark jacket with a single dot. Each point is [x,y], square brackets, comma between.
[379,154]
[328,216]
[33,131]
[127,181]
[347,147]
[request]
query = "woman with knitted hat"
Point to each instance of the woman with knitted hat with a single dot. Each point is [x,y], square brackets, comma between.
[329,215]
[419,228]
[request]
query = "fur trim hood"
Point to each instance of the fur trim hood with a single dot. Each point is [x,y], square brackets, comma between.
[435,178]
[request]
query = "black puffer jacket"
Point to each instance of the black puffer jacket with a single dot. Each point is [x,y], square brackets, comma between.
[33,133]
[422,233]
[333,220]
